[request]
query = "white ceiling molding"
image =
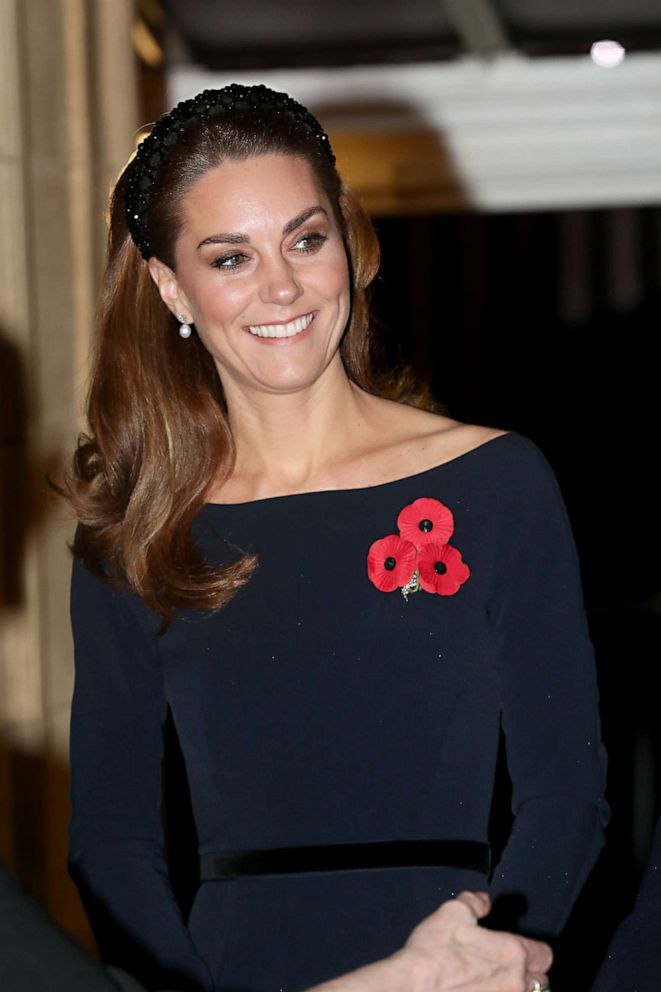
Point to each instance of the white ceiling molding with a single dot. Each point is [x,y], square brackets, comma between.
[523,134]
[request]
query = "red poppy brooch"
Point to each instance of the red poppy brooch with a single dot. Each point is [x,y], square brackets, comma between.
[420,556]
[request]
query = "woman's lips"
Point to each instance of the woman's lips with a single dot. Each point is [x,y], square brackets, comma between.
[282,330]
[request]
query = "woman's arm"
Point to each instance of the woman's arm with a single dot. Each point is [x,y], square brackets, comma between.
[549,703]
[117,860]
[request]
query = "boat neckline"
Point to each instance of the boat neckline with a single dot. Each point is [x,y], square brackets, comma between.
[312,493]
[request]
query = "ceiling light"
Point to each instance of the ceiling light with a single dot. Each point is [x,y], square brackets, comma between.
[607,54]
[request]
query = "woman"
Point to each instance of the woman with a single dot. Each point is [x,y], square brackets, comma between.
[337,597]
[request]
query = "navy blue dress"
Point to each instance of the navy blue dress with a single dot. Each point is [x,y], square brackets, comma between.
[316,709]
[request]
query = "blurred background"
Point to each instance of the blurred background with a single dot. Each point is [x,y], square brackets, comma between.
[510,154]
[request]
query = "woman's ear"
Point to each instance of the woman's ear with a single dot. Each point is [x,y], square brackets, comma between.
[168,288]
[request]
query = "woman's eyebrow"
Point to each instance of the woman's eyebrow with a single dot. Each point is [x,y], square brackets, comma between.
[301,218]
[225,239]
[242,239]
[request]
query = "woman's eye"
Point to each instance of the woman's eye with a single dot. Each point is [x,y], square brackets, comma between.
[231,261]
[310,242]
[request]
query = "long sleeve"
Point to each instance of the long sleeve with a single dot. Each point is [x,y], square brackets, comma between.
[117,860]
[549,704]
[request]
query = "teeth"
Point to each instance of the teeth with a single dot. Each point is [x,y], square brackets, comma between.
[282,330]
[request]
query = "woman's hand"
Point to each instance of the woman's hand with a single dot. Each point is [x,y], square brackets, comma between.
[449,952]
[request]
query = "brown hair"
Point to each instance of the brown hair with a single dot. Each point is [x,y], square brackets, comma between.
[158,436]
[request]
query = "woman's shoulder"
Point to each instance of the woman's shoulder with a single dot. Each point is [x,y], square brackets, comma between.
[418,440]
[439,443]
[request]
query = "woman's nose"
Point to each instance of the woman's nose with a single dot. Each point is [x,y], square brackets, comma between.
[279,284]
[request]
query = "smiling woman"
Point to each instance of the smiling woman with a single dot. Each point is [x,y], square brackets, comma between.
[338,689]
[271,303]
[156,408]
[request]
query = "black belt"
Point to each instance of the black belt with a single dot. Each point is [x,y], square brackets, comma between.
[472,855]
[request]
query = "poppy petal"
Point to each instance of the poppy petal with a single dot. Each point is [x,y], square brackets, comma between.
[442,570]
[390,562]
[425,521]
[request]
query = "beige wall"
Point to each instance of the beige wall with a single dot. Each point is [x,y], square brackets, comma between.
[67,117]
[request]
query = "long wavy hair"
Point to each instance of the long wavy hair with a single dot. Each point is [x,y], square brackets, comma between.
[158,437]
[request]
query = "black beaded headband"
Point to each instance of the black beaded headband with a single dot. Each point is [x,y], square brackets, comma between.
[209,105]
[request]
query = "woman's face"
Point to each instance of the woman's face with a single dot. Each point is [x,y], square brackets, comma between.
[262,271]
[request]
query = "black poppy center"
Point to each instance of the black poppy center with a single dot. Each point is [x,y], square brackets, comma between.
[389,563]
[440,567]
[425,526]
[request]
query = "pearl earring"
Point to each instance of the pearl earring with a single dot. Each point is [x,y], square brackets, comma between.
[184,330]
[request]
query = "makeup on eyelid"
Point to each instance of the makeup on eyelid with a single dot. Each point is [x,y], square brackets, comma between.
[318,241]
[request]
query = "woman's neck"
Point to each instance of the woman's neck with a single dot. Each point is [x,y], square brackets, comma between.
[287,443]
